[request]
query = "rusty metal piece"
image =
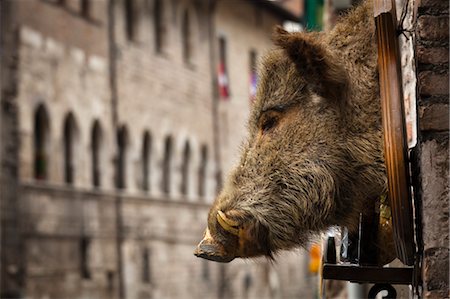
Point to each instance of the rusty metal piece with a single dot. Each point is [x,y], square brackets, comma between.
[368,274]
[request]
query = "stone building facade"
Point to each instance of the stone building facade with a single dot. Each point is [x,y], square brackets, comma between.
[114,141]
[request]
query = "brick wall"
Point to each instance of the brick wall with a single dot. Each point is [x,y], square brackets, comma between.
[433,125]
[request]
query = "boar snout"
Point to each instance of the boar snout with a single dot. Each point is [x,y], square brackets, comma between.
[233,234]
[212,250]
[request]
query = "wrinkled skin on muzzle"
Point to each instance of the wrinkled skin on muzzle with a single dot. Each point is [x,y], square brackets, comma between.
[313,152]
[227,239]
[213,250]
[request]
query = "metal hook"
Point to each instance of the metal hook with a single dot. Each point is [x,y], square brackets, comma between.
[377,288]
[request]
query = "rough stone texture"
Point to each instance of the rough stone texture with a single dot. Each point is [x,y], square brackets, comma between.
[64,66]
[433,145]
[432,27]
[434,117]
[436,259]
[435,164]
[433,84]
[434,4]
[432,55]
[433,7]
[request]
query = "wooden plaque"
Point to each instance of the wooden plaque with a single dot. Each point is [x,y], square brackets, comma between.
[395,146]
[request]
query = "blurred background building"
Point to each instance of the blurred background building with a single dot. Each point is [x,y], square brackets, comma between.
[116,137]
[120,119]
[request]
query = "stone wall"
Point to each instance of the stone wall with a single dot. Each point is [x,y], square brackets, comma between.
[64,80]
[432,57]
[160,93]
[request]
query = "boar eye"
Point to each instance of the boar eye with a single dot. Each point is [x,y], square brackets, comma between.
[268,124]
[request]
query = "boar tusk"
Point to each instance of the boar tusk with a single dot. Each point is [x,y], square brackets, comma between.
[228,220]
[227,224]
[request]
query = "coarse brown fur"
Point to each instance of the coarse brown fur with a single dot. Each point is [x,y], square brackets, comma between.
[313,158]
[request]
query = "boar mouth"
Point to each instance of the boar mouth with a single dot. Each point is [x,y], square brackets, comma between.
[209,252]
[234,235]
[212,250]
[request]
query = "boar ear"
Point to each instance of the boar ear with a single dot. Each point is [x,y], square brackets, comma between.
[314,62]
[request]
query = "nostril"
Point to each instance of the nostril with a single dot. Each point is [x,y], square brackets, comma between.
[208,249]
[212,252]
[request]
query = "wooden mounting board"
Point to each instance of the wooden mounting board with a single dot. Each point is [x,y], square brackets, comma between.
[394,131]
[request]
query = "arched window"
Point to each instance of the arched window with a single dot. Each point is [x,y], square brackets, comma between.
[253,80]
[223,74]
[85,7]
[96,138]
[41,139]
[159,26]
[146,266]
[122,142]
[85,270]
[69,143]
[130,19]
[146,152]
[184,189]
[202,171]
[186,37]
[167,165]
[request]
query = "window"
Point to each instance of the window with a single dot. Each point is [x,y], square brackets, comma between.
[159,26]
[110,281]
[186,38]
[146,148]
[85,6]
[202,171]
[41,134]
[130,19]
[96,136]
[122,141]
[222,76]
[69,143]
[167,165]
[223,51]
[252,60]
[185,169]
[146,273]
[253,80]
[84,258]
